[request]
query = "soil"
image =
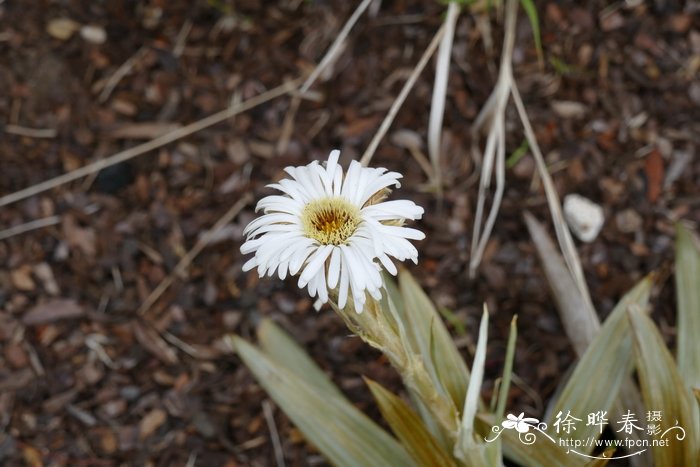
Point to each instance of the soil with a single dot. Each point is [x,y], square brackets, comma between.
[88,379]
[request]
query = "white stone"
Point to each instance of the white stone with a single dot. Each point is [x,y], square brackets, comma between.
[585,218]
[93,34]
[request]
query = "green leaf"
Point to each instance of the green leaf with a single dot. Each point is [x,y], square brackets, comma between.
[430,339]
[531,10]
[688,294]
[344,435]
[605,365]
[518,154]
[409,428]
[663,390]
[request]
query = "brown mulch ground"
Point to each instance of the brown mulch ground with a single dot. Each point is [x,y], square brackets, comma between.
[86,380]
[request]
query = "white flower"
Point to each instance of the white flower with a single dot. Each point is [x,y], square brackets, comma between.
[520,423]
[334,228]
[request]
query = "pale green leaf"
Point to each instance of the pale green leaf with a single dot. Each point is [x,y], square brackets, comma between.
[471,400]
[507,369]
[281,348]
[409,428]
[432,341]
[688,297]
[603,368]
[664,391]
[342,433]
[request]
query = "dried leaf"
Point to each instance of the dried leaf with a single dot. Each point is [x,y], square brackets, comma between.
[53,310]
[663,390]
[151,422]
[580,321]
[409,428]
[654,170]
[142,130]
[151,341]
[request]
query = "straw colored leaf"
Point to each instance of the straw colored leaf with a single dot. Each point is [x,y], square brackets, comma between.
[342,433]
[664,391]
[429,338]
[580,321]
[688,294]
[409,428]
[604,367]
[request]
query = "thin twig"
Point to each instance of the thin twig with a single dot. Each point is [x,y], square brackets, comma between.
[274,435]
[31,132]
[186,260]
[29,226]
[388,120]
[150,145]
[121,72]
[331,55]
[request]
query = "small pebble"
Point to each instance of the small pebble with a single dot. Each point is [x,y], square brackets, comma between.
[585,218]
[93,34]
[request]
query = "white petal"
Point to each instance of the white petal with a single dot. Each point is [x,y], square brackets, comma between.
[344,285]
[334,268]
[315,262]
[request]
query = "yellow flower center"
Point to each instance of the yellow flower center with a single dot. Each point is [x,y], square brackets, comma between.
[330,221]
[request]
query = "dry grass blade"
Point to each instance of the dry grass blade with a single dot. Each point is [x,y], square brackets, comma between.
[437,106]
[29,226]
[30,132]
[688,294]
[664,391]
[494,156]
[580,322]
[150,145]
[386,123]
[409,428]
[274,434]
